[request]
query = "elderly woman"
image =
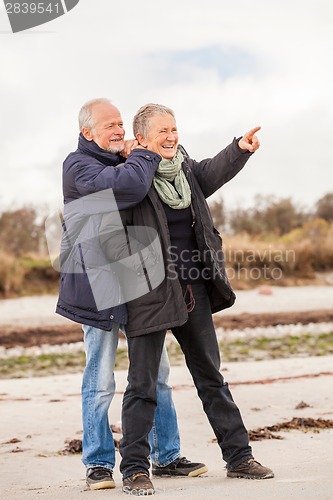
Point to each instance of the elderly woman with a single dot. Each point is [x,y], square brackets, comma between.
[194,287]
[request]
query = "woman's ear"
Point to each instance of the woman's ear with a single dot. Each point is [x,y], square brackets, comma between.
[141,140]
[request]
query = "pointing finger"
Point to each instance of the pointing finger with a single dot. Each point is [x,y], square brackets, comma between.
[252,132]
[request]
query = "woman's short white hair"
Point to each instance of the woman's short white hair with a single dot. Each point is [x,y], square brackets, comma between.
[85,114]
[143,115]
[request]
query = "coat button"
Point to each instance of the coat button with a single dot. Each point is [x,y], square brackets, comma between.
[111,317]
[147,156]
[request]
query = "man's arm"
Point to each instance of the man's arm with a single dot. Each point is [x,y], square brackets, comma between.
[130,181]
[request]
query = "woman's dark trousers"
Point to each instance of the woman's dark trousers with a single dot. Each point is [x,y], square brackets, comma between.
[198,341]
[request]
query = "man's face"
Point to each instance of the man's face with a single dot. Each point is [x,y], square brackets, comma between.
[162,135]
[107,131]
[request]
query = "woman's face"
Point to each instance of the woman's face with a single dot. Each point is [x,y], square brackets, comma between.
[162,136]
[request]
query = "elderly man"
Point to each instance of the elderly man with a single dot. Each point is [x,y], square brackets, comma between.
[90,173]
[193,288]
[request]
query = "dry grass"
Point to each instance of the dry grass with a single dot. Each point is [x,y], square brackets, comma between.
[26,276]
[12,273]
[294,258]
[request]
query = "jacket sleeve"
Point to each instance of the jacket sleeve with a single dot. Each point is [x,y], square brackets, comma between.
[130,181]
[212,173]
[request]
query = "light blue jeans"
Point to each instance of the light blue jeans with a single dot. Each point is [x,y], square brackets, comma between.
[98,388]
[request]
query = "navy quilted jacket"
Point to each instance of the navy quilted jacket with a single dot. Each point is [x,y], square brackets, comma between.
[89,175]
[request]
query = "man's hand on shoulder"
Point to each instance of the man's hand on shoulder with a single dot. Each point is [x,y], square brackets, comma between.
[129,146]
[250,142]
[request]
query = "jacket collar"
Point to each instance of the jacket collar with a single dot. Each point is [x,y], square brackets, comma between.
[92,149]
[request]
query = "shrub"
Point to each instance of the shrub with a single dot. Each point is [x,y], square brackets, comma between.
[12,273]
[324,207]
[20,231]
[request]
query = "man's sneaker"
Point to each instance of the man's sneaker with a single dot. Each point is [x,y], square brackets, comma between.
[99,478]
[139,484]
[251,469]
[180,467]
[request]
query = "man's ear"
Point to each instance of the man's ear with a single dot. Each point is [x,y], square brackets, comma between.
[141,140]
[87,133]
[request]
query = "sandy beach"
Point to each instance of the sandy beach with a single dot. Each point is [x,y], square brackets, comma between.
[39,414]
[39,310]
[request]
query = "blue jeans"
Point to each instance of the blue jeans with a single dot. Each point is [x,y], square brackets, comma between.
[98,388]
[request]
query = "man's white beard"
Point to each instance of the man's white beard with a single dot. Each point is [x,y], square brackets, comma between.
[115,149]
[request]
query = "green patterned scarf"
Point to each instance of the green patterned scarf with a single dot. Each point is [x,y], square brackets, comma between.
[178,195]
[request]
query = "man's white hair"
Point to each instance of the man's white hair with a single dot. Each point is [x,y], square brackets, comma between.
[85,114]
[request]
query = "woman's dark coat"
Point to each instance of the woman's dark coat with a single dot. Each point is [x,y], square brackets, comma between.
[164,307]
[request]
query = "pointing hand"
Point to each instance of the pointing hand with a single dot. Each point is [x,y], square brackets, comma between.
[250,142]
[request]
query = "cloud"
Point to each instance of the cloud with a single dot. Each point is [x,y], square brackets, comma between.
[226,62]
[223,67]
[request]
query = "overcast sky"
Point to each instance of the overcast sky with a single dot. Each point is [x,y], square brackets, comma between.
[224,67]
